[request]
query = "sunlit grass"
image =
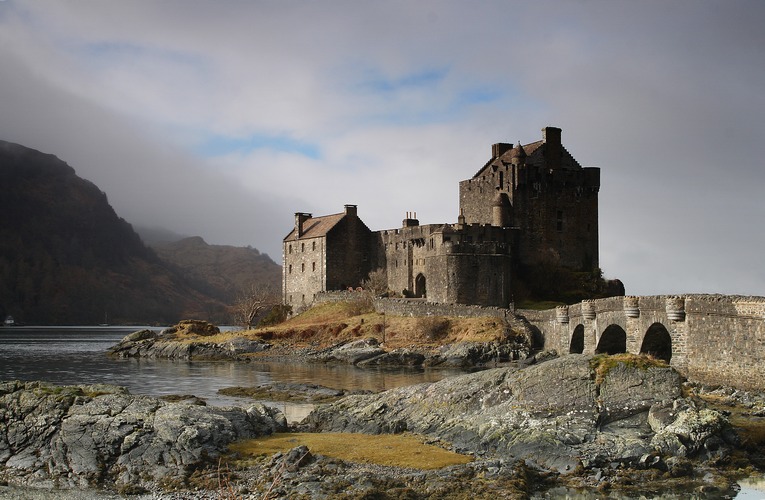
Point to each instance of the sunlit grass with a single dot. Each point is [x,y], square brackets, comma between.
[601,364]
[397,450]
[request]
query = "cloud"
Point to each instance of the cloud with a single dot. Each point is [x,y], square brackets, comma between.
[223,118]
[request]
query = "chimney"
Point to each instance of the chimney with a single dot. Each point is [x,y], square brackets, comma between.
[411,220]
[553,149]
[300,218]
[551,135]
[500,148]
[350,210]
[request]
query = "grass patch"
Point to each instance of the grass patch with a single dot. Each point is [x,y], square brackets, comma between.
[396,450]
[328,312]
[601,364]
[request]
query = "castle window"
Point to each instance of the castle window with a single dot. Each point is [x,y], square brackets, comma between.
[302,247]
[290,272]
[302,268]
[559,223]
[290,248]
[290,299]
[313,264]
[314,246]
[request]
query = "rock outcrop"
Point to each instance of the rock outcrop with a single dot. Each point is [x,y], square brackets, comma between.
[170,344]
[83,436]
[556,414]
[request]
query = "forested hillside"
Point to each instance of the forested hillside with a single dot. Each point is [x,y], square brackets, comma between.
[222,271]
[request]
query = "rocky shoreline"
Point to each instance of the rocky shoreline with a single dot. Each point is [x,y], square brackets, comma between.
[364,352]
[602,424]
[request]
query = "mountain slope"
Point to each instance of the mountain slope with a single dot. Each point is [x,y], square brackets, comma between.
[222,271]
[67,258]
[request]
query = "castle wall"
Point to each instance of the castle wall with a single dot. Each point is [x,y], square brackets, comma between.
[304,270]
[476,197]
[557,214]
[463,274]
[348,256]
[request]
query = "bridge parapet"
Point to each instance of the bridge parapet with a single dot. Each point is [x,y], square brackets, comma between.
[714,339]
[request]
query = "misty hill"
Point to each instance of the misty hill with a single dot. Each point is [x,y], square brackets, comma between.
[157,235]
[67,258]
[221,271]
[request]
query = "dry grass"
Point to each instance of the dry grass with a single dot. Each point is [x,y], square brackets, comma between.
[603,363]
[397,450]
[330,323]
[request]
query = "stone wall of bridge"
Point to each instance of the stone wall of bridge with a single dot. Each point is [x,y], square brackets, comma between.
[712,339]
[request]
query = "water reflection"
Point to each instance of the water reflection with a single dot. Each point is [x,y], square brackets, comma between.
[77,356]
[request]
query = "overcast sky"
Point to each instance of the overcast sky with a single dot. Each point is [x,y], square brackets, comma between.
[223,118]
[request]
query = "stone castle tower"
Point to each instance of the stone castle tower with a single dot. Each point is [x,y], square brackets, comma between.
[528,205]
[543,192]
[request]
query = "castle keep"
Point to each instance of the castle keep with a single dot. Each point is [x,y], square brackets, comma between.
[528,205]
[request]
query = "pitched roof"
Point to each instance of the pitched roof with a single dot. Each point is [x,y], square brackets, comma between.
[317,226]
[528,149]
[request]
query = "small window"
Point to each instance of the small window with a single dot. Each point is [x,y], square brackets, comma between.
[290,248]
[302,268]
[290,271]
[313,265]
[314,246]
[302,247]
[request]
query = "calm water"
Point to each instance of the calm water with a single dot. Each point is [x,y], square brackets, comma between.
[77,355]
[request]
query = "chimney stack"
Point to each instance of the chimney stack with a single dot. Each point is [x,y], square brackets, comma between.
[350,210]
[553,147]
[411,219]
[500,148]
[300,218]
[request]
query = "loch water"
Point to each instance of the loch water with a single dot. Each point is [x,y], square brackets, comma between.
[77,355]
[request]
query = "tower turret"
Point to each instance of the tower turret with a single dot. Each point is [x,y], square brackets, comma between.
[501,210]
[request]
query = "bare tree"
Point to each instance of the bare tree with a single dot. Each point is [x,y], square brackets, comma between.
[253,302]
[376,283]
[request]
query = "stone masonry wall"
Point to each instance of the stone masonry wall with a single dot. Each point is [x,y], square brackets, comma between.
[716,339]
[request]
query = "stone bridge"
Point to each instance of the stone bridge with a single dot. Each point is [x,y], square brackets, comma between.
[712,339]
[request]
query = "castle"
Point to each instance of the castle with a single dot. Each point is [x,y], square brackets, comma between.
[529,205]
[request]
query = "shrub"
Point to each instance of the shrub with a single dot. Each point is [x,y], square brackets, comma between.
[433,327]
[278,314]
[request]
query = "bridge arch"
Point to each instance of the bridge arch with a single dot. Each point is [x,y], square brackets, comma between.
[576,346]
[613,340]
[657,342]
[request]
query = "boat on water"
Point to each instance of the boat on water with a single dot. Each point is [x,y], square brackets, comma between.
[9,321]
